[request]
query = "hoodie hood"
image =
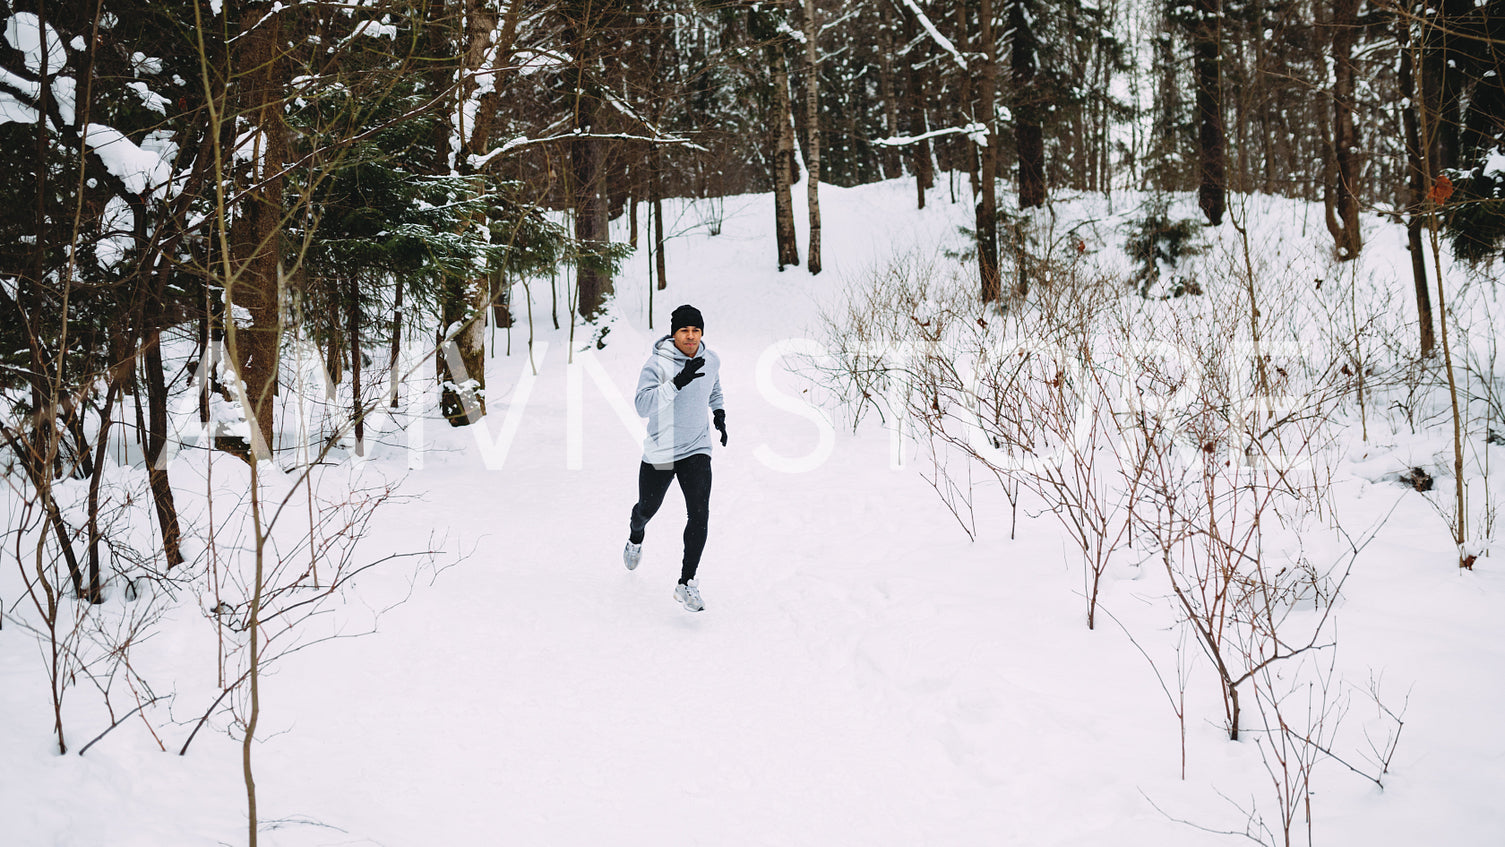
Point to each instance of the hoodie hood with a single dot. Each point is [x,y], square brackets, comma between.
[667,348]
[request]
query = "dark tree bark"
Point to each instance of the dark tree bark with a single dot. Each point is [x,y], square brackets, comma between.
[656,197]
[589,201]
[481,24]
[256,235]
[1211,144]
[500,298]
[462,351]
[987,194]
[201,374]
[462,363]
[1416,171]
[353,339]
[334,350]
[1442,85]
[212,340]
[1342,205]
[966,103]
[1166,170]
[1028,136]
[920,162]
[457,340]
[114,378]
[888,94]
[588,191]
[156,435]
[394,360]
[635,193]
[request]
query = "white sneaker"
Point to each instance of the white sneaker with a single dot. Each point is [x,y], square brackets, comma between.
[632,554]
[688,593]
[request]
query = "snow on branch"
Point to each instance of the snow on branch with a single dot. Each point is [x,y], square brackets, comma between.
[631,113]
[935,33]
[976,131]
[519,143]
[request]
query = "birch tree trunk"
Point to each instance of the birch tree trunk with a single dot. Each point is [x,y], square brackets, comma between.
[783,158]
[812,146]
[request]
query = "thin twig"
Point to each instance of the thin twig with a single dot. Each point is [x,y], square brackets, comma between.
[122,719]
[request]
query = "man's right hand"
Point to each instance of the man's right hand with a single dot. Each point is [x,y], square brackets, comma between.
[690,372]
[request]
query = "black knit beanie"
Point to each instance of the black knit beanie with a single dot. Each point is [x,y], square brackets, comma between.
[686,316]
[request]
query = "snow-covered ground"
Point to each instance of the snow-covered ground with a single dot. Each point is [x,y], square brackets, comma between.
[863,673]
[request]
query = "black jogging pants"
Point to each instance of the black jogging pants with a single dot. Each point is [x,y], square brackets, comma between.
[694,474]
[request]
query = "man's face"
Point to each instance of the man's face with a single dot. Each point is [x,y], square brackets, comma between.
[687,339]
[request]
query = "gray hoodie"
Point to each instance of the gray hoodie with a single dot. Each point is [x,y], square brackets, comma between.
[678,426]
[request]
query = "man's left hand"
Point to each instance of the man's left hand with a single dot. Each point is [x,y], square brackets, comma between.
[718,418]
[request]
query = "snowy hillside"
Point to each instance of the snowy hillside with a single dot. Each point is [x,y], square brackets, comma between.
[863,674]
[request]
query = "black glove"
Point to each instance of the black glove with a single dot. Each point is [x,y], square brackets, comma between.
[691,372]
[718,418]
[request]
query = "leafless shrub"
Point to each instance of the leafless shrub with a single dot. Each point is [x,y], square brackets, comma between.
[83,637]
[1198,431]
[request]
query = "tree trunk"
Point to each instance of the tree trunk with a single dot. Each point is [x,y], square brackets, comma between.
[1101,123]
[812,146]
[987,195]
[499,295]
[656,192]
[462,352]
[462,356]
[1342,206]
[353,337]
[914,108]
[1165,171]
[888,95]
[1264,108]
[256,236]
[588,194]
[592,225]
[483,61]
[966,104]
[156,441]
[783,158]
[1442,89]
[634,179]
[463,340]
[1206,48]
[1028,137]
[102,443]
[206,366]
[334,352]
[394,362]
[1415,205]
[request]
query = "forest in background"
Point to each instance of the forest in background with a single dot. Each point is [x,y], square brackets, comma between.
[253,179]
[351,172]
